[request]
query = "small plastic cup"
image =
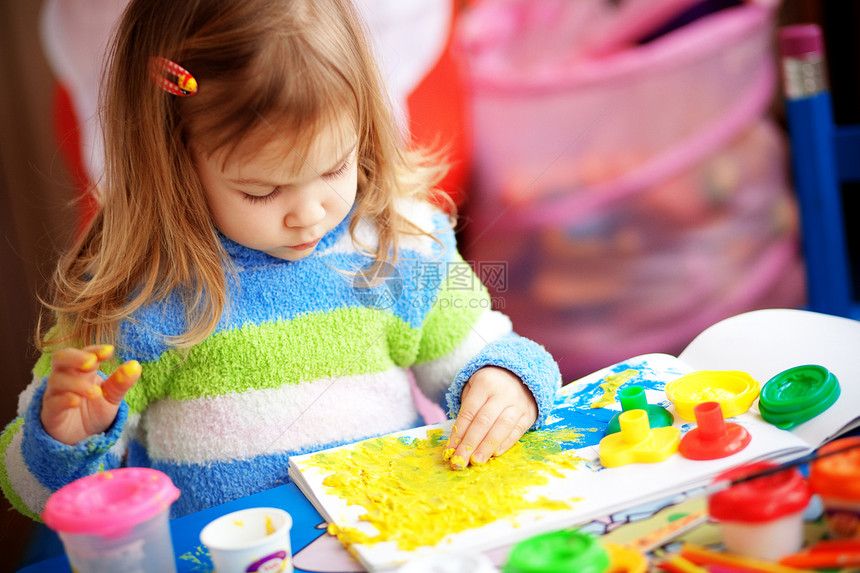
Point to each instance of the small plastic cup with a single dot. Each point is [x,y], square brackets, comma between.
[250,540]
[115,521]
[762,517]
[836,479]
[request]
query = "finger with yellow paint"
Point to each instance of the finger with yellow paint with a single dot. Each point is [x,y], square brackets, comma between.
[77,402]
[496,409]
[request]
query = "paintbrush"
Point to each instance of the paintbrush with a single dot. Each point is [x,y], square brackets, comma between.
[674,529]
[722,484]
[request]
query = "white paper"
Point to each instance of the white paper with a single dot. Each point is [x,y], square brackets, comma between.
[761,343]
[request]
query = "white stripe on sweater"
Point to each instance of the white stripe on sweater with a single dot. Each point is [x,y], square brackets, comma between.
[25,397]
[305,416]
[32,493]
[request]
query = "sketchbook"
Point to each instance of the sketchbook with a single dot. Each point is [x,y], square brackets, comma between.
[391,499]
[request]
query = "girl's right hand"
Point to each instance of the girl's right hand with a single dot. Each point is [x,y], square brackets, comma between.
[77,403]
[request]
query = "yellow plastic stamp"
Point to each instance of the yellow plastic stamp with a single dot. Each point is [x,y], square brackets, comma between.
[637,442]
[735,391]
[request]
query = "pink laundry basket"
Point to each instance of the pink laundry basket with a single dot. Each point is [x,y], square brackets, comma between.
[636,193]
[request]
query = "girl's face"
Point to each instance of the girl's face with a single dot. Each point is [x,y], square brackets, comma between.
[278,201]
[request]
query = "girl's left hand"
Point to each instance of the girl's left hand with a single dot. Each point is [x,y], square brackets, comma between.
[496,409]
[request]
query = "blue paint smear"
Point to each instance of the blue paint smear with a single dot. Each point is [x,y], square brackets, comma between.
[573,409]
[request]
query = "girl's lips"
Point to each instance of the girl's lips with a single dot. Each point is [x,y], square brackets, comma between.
[304,246]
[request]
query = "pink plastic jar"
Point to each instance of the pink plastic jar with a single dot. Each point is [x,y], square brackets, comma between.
[763,517]
[115,521]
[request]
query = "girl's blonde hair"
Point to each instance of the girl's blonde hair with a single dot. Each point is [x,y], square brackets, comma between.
[262,66]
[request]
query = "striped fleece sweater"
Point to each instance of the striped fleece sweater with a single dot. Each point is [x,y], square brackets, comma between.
[302,359]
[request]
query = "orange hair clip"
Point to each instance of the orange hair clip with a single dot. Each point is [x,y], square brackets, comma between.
[171,77]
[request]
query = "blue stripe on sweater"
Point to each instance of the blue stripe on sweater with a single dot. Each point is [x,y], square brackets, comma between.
[257,295]
[55,464]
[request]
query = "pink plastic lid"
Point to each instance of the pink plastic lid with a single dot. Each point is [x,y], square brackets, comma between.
[109,503]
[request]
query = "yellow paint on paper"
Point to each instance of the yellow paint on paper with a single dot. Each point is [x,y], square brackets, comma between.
[610,387]
[414,499]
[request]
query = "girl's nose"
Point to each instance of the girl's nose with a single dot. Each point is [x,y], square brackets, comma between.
[305,213]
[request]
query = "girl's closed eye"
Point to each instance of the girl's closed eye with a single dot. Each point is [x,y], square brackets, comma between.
[339,172]
[262,198]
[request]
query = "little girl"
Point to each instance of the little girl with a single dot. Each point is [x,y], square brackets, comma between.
[266,273]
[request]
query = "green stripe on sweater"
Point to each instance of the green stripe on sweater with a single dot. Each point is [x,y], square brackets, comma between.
[461,301]
[43,365]
[6,485]
[343,342]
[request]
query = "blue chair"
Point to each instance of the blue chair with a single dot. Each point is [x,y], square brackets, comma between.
[824,157]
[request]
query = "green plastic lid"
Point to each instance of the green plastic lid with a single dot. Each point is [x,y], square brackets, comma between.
[558,552]
[633,398]
[798,394]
